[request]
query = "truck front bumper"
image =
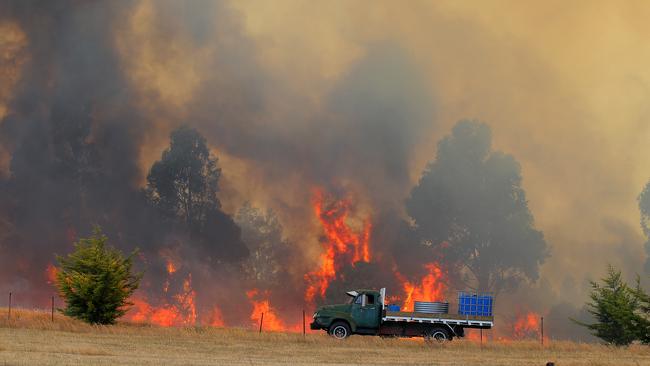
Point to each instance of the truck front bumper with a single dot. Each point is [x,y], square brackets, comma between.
[315,326]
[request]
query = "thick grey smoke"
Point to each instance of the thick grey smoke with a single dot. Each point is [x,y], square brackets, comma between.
[75,132]
[97,99]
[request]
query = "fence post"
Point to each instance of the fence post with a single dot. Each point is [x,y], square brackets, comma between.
[261,321]
[304,328]
[52,308]
[542,325]
[481,338]
[9,315]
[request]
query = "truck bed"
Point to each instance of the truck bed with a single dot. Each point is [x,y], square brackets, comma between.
[468,321]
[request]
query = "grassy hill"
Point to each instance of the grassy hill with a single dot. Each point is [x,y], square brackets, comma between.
[31,338]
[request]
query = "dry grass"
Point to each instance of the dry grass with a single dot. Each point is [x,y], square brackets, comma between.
[31,338]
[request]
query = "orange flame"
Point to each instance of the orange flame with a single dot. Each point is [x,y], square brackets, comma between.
[431,287]
[171,267]
[474,335]
[527,325]
[216,319]
[181,313]
[50,274]
[342,243]
[271,321]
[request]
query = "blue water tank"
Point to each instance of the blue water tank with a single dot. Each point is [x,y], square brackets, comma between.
[474,304]
[393,308]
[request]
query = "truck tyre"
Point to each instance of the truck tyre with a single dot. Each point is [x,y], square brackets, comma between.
[437,334]
[340,330]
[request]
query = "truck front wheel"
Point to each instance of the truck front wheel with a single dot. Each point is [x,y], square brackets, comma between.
[438,334]
[339,330]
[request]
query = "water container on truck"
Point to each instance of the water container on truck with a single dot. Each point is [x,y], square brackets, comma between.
[475,304]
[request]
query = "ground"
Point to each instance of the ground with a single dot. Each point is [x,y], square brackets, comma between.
[31,338]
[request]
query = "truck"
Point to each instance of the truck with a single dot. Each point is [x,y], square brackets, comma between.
[366,313]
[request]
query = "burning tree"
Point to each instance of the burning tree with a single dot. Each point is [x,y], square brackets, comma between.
[96,280]
[342,243]
[470,206]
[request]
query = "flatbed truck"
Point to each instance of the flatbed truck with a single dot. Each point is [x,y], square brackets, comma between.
[366,314]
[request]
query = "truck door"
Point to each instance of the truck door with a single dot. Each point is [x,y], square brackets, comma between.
[365,311]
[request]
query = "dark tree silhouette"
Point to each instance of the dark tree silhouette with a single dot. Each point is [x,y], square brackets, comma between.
[183,187]
[469,205]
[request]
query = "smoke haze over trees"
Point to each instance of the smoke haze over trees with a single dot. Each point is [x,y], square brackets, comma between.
[469,203]
[291,98]
[183,187]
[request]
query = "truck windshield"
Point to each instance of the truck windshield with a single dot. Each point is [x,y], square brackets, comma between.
[351,299]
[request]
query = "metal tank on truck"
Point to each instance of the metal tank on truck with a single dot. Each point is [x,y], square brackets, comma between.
[366,313]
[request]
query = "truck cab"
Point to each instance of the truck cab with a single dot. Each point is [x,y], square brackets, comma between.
[361,314]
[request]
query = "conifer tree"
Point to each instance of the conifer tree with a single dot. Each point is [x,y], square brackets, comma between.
[96,280]
[614,306]
[643,313]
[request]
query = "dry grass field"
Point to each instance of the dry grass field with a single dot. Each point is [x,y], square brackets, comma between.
[31,338]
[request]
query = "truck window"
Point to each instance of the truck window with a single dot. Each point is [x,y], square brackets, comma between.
[371,300]
[358,299]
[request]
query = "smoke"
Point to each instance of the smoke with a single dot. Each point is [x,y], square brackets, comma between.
[350,97]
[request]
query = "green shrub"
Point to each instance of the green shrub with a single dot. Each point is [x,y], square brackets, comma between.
[96,280]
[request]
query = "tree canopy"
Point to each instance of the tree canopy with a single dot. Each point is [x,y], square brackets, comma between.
[96,280]
[183,187]
[470,206]
[615,308]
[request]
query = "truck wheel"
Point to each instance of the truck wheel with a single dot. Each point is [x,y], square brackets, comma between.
[339,330]
[437,334]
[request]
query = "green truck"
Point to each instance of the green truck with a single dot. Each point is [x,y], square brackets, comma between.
[365,313]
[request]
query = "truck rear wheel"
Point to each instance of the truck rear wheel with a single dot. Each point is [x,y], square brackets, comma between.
[437,334]
[339,330]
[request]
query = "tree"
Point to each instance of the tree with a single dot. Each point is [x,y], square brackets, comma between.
[644,208]
[96,280]
[613,305]
[183,187]
[184,183]
[262,233]
[643,312]
[469,206]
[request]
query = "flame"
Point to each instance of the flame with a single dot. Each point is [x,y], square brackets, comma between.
[431,286]
[171,267]
[216,318]
[342,243]
[271,321]
[186,300]
[166,316]
[180,313]
[474,335]
[50,274]
[526,325]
